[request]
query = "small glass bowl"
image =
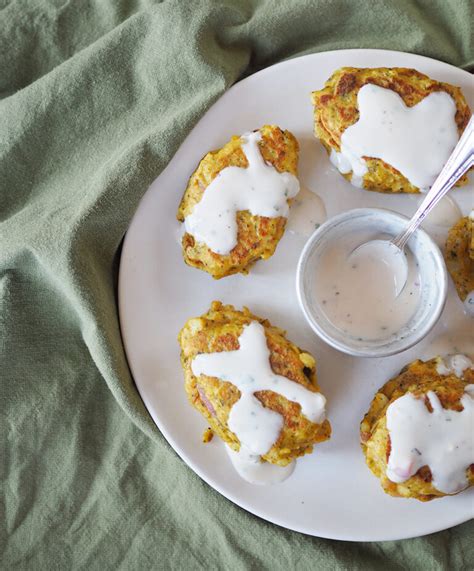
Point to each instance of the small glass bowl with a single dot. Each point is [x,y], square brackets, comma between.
[432,271]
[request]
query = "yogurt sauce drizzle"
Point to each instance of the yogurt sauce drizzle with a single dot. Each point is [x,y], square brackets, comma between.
[249,370]
[442,440]
[417,140]
[454,364]
[259,188]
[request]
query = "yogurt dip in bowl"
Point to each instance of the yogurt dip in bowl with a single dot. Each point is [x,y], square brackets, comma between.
[352,302]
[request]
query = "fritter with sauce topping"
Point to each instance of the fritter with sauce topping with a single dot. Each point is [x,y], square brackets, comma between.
[219,330]
[336,109]
[257,236]
[459,256]
[418,378]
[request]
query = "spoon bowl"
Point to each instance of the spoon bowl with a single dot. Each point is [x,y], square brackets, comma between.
[387,253]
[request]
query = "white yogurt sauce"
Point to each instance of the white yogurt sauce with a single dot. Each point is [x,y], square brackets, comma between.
[248,368]
[456,364]
[345,162]
[307,213]
[443,440]
[259,188]
[417,140]
[253,470]
[358,293]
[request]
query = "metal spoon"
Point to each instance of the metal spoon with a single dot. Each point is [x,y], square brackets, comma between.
[391,252]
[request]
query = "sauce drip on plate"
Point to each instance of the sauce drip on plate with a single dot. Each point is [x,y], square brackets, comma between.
[253,470]
[307,213]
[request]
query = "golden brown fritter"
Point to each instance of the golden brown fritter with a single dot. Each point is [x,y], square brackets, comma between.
[417,378]
[459,256]
[219,330]
[336,109]
[257,236]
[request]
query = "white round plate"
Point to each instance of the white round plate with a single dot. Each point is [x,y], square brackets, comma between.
[331,493]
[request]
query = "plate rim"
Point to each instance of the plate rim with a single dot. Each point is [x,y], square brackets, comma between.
[121,280]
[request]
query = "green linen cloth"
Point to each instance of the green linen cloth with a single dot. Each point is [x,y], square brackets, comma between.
[96,96]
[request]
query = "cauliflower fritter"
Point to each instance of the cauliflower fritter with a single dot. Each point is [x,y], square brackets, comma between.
[336,110]
[257,236]
[418,378]
[219,330]
[459,256]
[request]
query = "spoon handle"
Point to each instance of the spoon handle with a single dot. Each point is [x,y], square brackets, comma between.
[459,162]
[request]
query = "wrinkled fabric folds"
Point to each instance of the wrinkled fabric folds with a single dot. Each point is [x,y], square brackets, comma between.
[95,98]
